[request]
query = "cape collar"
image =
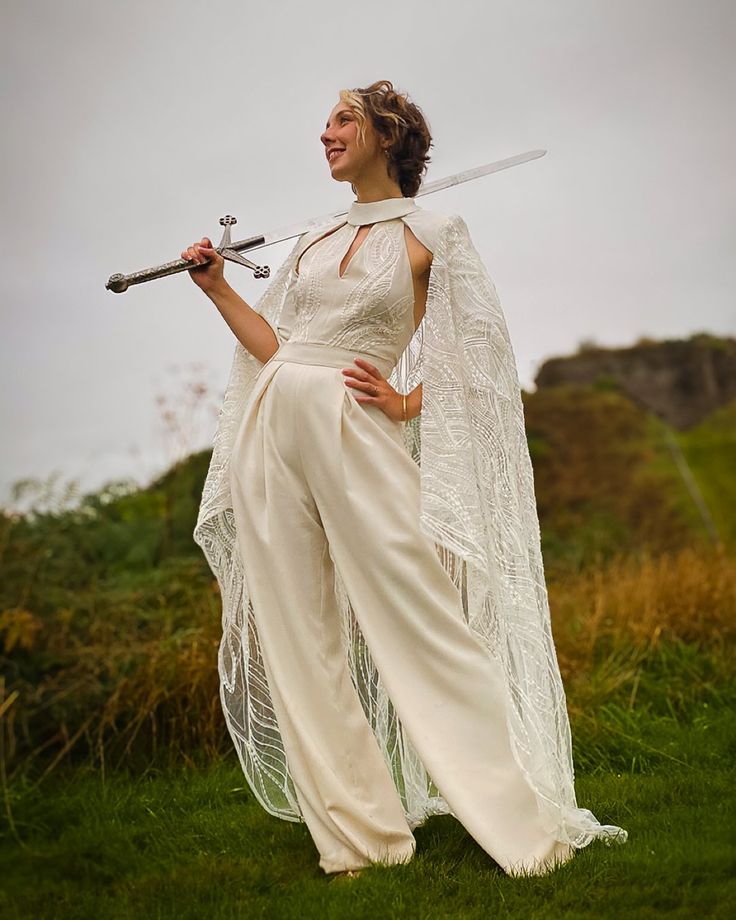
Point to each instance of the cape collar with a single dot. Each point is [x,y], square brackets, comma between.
[370,212]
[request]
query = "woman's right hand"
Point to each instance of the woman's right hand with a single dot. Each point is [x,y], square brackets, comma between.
[211,275]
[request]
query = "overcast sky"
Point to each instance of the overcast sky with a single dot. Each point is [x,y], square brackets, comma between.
[130,128]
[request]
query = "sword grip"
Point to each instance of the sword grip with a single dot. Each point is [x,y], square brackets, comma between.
[119,282]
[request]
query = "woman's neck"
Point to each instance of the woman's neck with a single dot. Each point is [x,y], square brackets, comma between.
[377,191]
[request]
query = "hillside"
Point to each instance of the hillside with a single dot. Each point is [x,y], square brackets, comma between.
[610,477]
[681,380]
[110,616]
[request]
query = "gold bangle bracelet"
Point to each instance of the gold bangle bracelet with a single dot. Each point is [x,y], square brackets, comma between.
[404,398]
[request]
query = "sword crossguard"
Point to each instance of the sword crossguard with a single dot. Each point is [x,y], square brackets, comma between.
[228,221]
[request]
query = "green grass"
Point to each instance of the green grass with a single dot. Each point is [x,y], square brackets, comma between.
[710,450]
[193,842]
[190,844]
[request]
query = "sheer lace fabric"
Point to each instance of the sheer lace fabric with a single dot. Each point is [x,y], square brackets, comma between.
[478,504]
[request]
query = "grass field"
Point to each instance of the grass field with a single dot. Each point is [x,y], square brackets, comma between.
[121,793]
[191,841]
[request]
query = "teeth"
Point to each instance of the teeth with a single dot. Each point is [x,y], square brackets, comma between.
[334,153]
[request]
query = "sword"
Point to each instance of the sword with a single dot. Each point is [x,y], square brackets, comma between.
[231,250]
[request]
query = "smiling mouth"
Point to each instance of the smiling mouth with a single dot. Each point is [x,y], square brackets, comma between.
[333,156]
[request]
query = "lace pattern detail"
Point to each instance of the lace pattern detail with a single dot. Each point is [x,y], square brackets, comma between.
[478,505]
[370,306]
[369,315]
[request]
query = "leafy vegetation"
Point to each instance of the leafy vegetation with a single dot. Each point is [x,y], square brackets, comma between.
[122,792]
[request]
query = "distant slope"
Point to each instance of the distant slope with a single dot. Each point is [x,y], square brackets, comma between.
[607,482]
[710,450]
[681,380]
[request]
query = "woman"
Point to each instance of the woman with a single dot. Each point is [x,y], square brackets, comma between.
[369,514]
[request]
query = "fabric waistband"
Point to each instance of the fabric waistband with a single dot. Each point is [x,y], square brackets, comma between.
[328,356]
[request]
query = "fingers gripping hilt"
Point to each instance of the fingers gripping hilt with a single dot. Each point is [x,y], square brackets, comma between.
[227,249]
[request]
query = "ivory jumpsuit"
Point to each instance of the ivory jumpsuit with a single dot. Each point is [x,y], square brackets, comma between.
[321,480]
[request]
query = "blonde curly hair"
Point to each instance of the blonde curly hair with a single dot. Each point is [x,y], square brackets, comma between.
[398,120]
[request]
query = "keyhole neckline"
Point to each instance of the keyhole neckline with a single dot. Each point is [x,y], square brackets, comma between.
[359,214]
[334,232]
[341,277]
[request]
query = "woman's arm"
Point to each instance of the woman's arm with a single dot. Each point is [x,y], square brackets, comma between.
[250,328]
[252,331]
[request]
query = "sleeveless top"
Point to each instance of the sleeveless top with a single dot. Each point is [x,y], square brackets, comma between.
[371,307]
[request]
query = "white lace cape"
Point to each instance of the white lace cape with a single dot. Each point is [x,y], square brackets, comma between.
[478,504]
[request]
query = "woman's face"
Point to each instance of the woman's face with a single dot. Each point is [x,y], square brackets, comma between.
[350,160]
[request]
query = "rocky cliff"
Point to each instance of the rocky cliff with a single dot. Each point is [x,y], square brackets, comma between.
[680,380]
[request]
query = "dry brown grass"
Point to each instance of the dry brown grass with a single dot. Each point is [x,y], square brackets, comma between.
[689,595]
[615,626]
[118,686]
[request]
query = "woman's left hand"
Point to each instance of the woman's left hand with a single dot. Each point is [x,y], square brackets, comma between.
[374,388]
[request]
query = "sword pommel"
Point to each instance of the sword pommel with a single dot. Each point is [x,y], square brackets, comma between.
[117,283]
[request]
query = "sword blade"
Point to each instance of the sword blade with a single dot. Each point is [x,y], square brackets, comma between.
[479,171]
[315,223]
[119,282]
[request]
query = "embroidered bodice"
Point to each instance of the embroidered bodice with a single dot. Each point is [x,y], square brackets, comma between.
[370,308]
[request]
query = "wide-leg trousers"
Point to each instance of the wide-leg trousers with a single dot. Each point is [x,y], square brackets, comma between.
[321,480]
